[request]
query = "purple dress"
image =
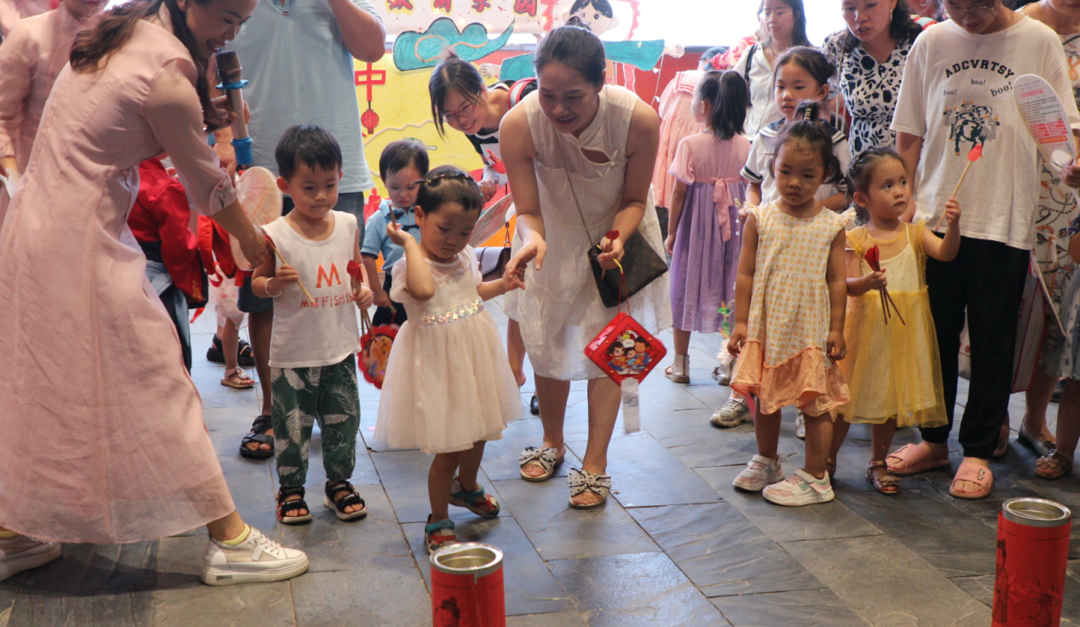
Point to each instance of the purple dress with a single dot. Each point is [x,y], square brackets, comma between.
[708,239]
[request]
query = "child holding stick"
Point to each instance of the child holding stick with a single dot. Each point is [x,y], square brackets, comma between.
[892,366]
[315,340]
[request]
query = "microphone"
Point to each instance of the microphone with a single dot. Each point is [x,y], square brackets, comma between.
[228,67]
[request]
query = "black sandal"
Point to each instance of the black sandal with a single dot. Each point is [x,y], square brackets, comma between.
[349,500]
[258,435]
[284,505]
[244,356]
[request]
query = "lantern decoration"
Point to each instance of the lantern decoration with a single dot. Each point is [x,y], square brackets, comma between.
[368,78]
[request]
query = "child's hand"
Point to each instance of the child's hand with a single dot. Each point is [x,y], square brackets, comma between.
[837,347]
[669,244]
[514,280]
[382,299]
[876,281]
[1071,175]
[488,188]
[363,297]
[396,235]
[286,275]
[737,339]
[952,212]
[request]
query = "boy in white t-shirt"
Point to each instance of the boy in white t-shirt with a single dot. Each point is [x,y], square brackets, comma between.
[956,94]
[314,343]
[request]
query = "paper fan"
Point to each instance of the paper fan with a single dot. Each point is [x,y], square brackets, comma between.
[261,199]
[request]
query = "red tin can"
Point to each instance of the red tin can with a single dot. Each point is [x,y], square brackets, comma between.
[467,586]
[1032,556]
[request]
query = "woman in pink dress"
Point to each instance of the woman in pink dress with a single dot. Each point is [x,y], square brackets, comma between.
[30,60]
[104,438]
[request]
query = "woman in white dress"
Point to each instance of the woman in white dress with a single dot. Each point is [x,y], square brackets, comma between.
[579,155]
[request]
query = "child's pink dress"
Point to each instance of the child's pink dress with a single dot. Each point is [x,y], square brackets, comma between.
[104,439]
[676,123]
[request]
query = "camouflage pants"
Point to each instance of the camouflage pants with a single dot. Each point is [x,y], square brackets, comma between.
[302,396]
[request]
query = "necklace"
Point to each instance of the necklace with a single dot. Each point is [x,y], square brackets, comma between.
[903,231]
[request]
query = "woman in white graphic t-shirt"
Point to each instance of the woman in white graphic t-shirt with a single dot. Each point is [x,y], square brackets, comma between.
[957,94]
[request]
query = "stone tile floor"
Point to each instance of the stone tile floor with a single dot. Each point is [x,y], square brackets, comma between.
[675,546]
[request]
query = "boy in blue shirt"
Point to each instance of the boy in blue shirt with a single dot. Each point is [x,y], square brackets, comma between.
[402,165]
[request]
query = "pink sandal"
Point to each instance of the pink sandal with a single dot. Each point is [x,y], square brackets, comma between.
[970,471]
[915,459]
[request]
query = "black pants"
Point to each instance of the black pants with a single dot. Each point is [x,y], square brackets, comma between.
[986,278]
[383,315]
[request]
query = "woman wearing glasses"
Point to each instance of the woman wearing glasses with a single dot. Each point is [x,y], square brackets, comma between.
[461,100]
[957,94]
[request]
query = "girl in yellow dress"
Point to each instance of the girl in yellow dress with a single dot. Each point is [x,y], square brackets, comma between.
[891,368]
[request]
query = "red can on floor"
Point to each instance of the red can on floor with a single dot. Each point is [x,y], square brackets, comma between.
[467,586]
[1032,556]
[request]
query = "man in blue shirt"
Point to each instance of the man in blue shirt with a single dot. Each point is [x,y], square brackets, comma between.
[298,55]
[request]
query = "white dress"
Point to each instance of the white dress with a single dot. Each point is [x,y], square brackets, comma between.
[560,310]
[448,383]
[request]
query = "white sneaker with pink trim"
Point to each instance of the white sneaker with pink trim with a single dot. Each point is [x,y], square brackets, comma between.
[801,488]
[759,473]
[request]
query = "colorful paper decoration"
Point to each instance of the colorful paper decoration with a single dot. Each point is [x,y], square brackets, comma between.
[415,50]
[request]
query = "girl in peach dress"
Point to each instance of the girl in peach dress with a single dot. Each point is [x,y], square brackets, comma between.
[104,435]
[789,314]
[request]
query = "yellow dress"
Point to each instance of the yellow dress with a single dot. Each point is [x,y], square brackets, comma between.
[893,369]
[784,361]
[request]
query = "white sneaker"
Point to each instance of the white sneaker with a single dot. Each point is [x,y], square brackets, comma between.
[734,413]
[760,472]
[800,426]
[255,560]
[800,488]
[22,553]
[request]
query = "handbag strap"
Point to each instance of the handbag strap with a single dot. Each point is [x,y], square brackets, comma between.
[570,184]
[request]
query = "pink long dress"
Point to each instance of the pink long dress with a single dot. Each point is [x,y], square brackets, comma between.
[676,123]
[30,60]
[103,440]
[11,11]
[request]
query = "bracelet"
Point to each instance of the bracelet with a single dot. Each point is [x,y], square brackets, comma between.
[266,286]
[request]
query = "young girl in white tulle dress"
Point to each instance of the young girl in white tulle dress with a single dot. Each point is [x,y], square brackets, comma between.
[448,389]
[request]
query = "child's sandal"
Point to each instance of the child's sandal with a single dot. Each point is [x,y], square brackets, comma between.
[284,506]
[438,534]
[349,500]
[887,484]
[477,501]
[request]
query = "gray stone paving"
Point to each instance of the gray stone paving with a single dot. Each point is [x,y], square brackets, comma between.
[675,546]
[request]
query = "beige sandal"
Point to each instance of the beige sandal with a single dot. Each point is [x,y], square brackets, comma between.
[237,379]
[887,484]
[1057,466]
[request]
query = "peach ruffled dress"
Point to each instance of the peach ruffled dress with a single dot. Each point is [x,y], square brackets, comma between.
[104,440]
[784,361]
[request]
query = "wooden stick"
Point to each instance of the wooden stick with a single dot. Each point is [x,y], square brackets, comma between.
[298,281]
[884,307]
[955,191]
[895,308]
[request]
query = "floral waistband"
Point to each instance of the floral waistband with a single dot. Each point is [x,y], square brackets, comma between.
[457,313]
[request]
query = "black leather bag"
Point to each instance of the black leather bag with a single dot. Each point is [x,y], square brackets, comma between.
[640,267]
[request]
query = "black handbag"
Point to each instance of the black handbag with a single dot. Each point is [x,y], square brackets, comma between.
[641,265]
[493,259]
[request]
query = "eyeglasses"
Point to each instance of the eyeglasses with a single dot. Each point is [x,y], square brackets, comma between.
[958,13]
[465,111]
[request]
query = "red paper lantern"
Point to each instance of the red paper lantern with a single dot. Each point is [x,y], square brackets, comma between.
[369,119]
